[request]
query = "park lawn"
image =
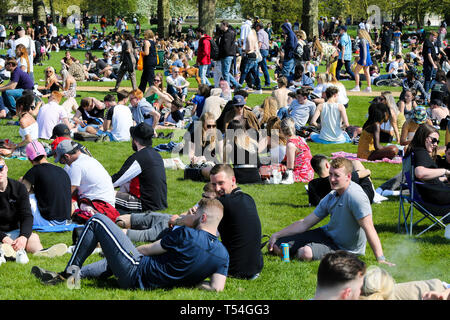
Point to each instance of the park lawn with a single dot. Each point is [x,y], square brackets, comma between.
[278,206]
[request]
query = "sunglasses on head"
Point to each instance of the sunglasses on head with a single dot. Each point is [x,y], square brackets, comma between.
[434,140]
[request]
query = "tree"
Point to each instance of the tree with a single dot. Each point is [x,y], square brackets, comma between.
[207,15]
[163,18]
[309,18]
[39,10]
[5,5]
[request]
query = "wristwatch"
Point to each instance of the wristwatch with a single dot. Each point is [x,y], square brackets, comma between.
[381,258]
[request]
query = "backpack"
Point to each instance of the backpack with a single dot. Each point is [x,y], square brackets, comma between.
[298,52]
[306,53]
[214,50]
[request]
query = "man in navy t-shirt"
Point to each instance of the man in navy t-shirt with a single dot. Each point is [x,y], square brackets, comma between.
[184,257]
[19,81]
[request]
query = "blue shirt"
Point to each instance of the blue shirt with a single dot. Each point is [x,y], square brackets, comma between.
[346,43]
[200,102]
[22,79]
[192,256]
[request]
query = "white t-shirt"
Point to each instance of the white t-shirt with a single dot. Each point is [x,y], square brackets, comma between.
[49,116]
[394,65]
[31,49]
[92,180]
[2,31]
[121,122]
[178,81]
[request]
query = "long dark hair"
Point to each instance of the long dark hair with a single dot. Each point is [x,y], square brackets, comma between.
[377,113]
[421,134]
[128,36]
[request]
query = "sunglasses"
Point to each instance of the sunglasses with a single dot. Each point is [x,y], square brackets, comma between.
[434,141]
[209,126]
[2,167]
[239,106]
[156,80]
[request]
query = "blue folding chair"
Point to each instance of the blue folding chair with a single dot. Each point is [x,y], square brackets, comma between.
[413,198]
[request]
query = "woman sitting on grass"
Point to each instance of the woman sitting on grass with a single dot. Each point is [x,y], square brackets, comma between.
[156,93]
[28,130]
[411,125]
[298,155]
[70,92]
[369,146]
[51,82]
[333,119]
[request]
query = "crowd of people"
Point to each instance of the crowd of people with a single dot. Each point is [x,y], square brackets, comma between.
[227,143]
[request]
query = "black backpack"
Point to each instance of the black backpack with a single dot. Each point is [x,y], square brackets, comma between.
[214,50]
[306,52]
[298,52]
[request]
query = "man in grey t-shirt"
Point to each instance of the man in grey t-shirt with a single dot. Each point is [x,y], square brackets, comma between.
[301,110]
[350,224]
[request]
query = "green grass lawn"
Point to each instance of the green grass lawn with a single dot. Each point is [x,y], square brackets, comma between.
[278,206]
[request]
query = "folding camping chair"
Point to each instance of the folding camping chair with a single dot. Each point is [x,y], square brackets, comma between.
[415,201]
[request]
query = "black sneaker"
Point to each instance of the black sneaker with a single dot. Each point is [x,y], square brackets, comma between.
[47,277]
[169,135]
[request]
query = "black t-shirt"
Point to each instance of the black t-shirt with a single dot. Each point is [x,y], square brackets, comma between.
[93,116]
[441,162]
[15,210]
[240,232]
[318,188]
[428,47]
[433,191]
[51,185]
[439,91]
[386,38]
[145,171]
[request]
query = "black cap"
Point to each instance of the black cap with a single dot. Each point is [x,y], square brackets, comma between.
[60,130]
[19,28]
[143,131]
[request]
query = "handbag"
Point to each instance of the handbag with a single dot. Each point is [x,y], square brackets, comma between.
[140,63]
[258,56]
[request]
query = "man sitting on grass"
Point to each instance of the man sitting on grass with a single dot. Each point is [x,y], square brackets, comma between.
[184,257]
[349,228]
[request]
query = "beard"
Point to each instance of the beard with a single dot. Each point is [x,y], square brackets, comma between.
[196,223]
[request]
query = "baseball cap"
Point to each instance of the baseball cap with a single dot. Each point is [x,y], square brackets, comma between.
[35,149]
[143,131]
[65,146]
[60,130]
[343,28]
[419,115]
[19,28]
[238,101]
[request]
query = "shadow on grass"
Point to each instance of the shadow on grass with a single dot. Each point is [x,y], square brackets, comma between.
[295,206]
[434,239]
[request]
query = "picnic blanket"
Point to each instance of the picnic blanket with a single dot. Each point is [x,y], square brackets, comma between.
[353,156]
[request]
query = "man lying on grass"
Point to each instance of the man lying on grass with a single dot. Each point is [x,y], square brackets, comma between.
[349,228]
[184,257]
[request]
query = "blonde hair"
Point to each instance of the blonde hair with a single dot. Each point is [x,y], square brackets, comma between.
[341,162]
[148,34]
[323,77]
[287,127]
[269,107]
[390,101]
[52,77]
[205,117]
[378,284]
[365,35]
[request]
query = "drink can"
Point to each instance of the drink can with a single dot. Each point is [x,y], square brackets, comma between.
[285,251]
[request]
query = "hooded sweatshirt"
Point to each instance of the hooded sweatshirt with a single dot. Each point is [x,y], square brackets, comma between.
[204,50]
[291,41]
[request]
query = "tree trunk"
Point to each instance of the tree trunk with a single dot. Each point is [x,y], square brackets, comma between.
[39,10]
[207,15]
[310,18]
[52,12]
[163,18]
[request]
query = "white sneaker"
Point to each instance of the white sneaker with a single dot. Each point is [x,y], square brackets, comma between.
[21,257]
[258,91]
[2,257]
[54,251]
[355,89]
[289,179]
[74,280]
[368,89]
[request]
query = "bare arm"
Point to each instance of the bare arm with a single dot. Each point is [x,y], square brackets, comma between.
[344,117]
[217,283]
[316,116]
[151,249]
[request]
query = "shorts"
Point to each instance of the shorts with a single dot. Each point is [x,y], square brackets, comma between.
[319,242]
[14,234]
[83,129]
[2,39]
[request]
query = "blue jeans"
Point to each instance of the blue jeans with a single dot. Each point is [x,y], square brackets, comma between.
[202,70]
[109,134]
[175,93]
[121,256]
[263,65]
[383,77]
[288,68]
[251,67]
[226,65]
[428,75]
[283,113]
[347,68]
[10,96]
[3,106]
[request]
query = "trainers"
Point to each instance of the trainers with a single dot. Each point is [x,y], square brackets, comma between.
[368,89]
[21,257]
[355,89]
[47,277]
[289,179]
[8,251]
[258,91]
[54,251]
[2,257]
[74,279]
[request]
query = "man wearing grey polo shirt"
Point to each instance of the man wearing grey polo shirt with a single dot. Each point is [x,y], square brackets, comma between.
[349,228]
[263,42]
